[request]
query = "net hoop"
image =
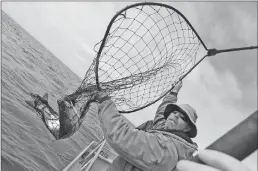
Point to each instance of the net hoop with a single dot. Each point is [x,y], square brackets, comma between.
[107,33]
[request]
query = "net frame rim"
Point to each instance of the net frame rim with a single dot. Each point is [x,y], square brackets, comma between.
[107,33]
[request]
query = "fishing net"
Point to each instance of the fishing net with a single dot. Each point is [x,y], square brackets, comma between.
[147,49]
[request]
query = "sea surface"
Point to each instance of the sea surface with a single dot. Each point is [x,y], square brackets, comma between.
[27,66]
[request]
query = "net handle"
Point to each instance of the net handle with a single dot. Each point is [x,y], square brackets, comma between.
[120,13]
[212,52]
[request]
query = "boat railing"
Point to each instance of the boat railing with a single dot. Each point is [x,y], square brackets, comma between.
[93,158]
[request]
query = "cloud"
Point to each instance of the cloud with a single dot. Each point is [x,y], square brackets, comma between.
[83,52]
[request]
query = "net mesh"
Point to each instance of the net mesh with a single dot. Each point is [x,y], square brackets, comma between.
[147,49]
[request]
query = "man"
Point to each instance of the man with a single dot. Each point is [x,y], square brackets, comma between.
[155,146]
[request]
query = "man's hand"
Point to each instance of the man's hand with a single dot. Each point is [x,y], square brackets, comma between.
[214,161]
[177,87]
[98,96]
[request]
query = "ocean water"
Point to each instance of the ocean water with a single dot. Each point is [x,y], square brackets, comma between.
[27,66]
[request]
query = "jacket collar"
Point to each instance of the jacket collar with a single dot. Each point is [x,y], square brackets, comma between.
[149,124]
[181,134]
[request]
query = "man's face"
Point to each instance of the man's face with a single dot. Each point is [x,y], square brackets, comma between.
[176,120]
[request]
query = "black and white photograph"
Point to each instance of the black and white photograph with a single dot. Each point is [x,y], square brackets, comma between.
[129,86]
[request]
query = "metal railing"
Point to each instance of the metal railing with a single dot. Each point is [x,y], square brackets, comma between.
[91,158]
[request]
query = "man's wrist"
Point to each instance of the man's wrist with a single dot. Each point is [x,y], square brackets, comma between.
[102,99]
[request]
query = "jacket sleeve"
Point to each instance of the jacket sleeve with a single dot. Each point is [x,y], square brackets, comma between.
[170,98]
[145,126]
[142,149]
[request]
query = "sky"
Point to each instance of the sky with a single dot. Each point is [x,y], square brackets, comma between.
[222,89]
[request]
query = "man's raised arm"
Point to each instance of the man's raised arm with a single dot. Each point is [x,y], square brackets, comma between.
[170,98]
